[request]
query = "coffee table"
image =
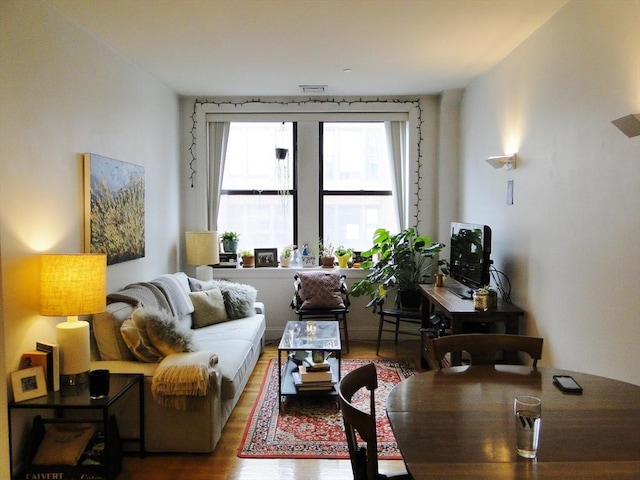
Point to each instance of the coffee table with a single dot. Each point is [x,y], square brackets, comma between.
[305,336]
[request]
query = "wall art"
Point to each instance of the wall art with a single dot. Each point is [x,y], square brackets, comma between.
[114,208]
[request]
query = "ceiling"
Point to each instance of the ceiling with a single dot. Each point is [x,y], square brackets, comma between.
[271,47]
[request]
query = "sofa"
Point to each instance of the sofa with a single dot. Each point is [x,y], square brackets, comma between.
[235,345]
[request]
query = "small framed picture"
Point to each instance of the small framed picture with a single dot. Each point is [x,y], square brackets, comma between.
[28,383]
[266,257]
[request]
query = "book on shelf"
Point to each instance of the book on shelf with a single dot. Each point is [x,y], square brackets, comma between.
[311,386]
[53,364]
[307,376]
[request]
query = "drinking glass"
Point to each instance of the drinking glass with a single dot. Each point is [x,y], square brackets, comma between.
[527,412]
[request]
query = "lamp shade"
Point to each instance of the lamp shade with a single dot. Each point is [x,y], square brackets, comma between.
[73,284]
[202,248]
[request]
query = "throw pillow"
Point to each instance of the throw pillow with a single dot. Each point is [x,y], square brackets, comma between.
[166,334]
[238,299]
[209,308]
[200,285]
[134,333]
[63,444]
[320,290]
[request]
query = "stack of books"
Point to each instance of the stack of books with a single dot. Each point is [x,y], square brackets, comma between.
[313,376]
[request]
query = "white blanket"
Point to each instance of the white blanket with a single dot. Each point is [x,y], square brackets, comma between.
[182,379]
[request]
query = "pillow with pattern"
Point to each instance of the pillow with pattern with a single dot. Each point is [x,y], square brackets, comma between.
[320,289]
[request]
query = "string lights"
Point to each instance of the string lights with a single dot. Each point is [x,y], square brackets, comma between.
[309,101]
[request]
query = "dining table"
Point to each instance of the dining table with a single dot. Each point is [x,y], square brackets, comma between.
[458,422]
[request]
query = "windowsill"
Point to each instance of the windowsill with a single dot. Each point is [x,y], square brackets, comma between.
[280,272]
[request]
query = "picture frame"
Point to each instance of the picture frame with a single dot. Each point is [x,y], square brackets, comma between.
[266,257]
[28,383]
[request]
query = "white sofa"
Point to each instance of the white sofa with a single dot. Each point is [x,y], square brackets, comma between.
[238,344]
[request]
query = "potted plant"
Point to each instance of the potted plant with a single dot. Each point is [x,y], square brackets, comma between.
[343,255]
[230,241]
[404,261]
[326,254]
[248,259]
[285,256]
[485,298]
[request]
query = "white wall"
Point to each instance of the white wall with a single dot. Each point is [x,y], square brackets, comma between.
[570,242]
[64,94]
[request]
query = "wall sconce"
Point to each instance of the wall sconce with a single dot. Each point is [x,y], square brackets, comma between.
[508,162]
[629,125]
[72,285]
[202,250]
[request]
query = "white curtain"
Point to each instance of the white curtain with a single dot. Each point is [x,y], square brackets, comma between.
[397,143]
[218,138]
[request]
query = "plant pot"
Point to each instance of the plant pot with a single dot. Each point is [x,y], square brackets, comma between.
[410,299]
[327,262]
[229,245]
[285,261]
[281,153]
[485,301]
[248,262]
[343,260]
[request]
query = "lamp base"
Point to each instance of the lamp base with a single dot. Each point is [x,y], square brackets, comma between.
[204,273]
[69,380]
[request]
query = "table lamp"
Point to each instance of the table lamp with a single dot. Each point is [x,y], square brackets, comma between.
[202,250]
[73,285]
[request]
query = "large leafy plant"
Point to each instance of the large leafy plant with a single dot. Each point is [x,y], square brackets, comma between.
[400,262]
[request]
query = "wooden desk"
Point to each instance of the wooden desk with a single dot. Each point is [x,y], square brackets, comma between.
[458,423]
[460,311]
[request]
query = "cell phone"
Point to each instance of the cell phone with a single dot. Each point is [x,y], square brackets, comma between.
[567,384]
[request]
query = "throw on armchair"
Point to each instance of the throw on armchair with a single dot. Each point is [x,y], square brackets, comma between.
[322,295]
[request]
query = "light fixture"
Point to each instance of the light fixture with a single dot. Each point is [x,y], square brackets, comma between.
[508,162]
[72,285]
[629,124]
[202,250]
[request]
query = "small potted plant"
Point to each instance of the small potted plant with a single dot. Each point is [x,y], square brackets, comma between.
[343,255]
[485,298]
[285,256]
[326,254]
[230,241]
[248,259]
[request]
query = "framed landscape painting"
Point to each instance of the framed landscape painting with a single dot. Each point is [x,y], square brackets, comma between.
[114,208]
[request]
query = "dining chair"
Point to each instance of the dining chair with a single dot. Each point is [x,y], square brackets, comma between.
[483,347]
[364,461]
[322,295]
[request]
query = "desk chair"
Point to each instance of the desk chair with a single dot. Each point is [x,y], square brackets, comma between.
[483,347]
[322,295]
[364,461]
[394,316]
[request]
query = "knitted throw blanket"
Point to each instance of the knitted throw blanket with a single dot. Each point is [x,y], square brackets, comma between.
[143,293]
[182,379]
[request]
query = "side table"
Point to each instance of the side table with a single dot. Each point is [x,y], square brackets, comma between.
[77,399]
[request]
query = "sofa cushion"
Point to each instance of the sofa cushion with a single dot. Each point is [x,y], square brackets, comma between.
[239,299]
[106,330]
[134,332]
[208,307]
[166,334]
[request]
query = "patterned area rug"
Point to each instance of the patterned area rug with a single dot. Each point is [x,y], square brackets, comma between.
[312,427]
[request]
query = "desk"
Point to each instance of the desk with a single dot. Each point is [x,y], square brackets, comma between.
[458,423]
[460,311]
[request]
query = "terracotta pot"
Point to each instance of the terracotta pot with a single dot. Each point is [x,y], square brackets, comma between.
[327,262]
[248,262]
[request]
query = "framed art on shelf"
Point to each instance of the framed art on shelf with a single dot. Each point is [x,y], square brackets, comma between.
[28,383]
[266,257]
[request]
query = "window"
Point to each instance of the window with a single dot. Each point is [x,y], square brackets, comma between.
[357,183]
[258,197]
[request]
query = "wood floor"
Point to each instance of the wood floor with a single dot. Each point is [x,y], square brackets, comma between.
[224,463]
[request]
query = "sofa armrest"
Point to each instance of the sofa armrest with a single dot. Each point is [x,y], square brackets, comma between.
[259,306]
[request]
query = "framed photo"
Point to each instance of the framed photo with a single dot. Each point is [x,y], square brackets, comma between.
[28,383]
[266,257]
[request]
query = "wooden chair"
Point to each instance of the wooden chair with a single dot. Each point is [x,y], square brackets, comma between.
[364,462]
[394,316]
[337,314]
[483,347]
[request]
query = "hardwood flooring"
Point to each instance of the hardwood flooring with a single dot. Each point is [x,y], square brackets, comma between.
[224,464]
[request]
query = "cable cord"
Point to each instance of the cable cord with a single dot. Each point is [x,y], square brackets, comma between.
[498,277]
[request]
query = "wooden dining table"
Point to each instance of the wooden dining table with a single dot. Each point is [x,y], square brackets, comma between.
[458,423]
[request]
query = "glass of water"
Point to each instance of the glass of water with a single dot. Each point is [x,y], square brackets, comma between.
[528,418]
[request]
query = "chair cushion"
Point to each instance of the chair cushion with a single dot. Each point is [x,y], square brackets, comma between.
[320,289]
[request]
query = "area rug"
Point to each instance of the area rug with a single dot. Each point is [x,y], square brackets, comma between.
[312,426]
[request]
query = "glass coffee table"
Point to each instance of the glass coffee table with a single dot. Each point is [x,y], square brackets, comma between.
[307,336]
